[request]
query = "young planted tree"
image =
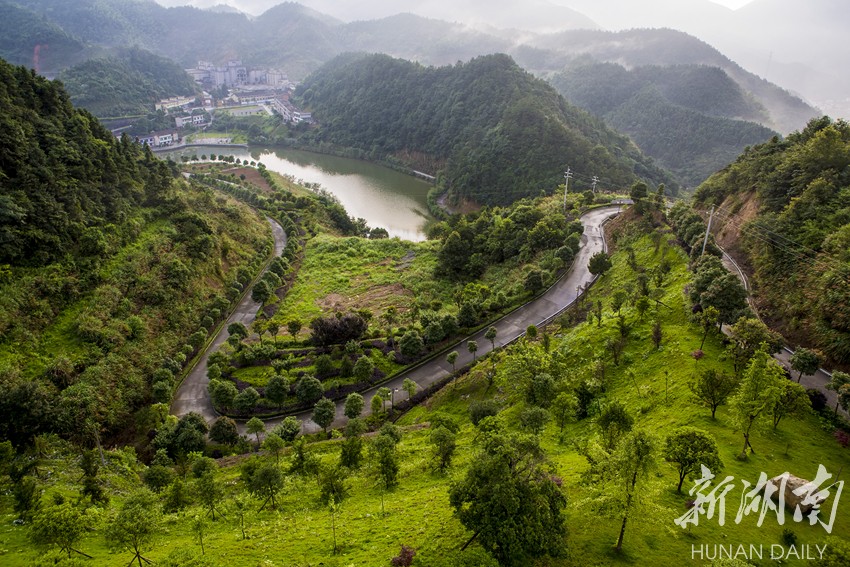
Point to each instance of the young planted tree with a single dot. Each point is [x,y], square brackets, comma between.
[309,390]
[237,330]
[490,335]
[629,469]
[288,429]
[385,465]
[472,347]
[444,445]
[323,413]
[62,526]
[354,404]
[760,390]
[409,386]
[687,448]
[805,361]
[707,319]
[657,334]
[294,327]
[255,426]
[265,483]
[363,369]
[136,524]
[274,444]
[210,492]
[613,423]
[793,401]
[451,358]
[712,388]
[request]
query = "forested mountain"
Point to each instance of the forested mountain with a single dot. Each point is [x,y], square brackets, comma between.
[500,133]
[33,40]
[693,119]
[128,82]
[108,263]
[785,206]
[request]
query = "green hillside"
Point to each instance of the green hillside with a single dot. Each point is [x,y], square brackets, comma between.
[784,205]
[113,269]
[127,83]
[500,133]
[693,119]
[32,40]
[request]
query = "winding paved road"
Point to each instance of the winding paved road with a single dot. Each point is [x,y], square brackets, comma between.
[819,379]
[192,394]
[511,326]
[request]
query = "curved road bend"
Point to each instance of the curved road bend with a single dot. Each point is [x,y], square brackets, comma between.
[192,394]
[509,327]
[819,379]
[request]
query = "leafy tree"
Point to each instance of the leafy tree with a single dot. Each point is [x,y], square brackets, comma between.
[750,334]
[255,426]
[793,401]
[136,524]
[288,429]
[261,292]
[805,361]
[534,419]
[411,344]
[332,484]
[324,413]
[62,525]
[490,335]
[632,462]
[363,369]
[277,389]
[385,463]
[707,319]
[510,468]
[224,431]
[444,445]
[337,329]
[377,404]
[599,264]
[265,483]
[309,390]
[712,388]
[409,386]
[541,390]
[533,282]
[451,358]
[760,390]
[237,329]
[354,404]
[727,295]
[210,491]
[324,365]
[613,423]
[472,347]
[294,327]
[835,383]
[657,334]
[246,400]
[689,448]
[223,393]
[480,409]
[467,316]
[274,444]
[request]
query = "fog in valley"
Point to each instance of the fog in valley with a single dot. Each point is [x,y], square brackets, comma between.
[794,43]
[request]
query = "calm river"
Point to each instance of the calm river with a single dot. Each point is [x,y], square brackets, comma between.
[382,196]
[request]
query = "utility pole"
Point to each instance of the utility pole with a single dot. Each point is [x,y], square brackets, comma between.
[593,187]
[567,176]
[707,230]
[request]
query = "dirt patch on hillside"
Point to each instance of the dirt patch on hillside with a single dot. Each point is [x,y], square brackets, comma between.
[252,176]
[375,299]
[735,212]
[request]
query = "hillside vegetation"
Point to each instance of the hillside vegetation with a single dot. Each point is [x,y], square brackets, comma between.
[113,269]
[126,83]
[693,119]
[551,419]
[784,204]
[500,133]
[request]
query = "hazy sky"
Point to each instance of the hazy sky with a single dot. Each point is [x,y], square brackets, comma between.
[734,4]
